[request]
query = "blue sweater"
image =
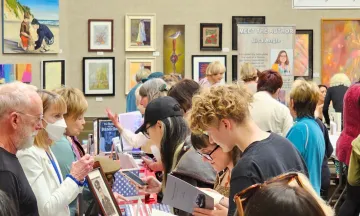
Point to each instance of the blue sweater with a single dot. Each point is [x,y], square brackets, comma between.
[131,99]
[308,138]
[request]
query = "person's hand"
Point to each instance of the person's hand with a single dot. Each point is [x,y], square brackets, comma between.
[154,166]
[119,198]
[219,210]
[115,120]
[82,167]
[153,185]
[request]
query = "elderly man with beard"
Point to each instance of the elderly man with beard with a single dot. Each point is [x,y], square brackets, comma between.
[21,114]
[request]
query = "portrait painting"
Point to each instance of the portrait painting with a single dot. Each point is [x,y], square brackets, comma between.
[140,32]
[7,73]
[98,76]
[30,26]
[340,48]
[210,36]
[100,35]
[52,74]
[243,20]
[303,54]
[134,65]
[23,73]
[200,64]
[174,50]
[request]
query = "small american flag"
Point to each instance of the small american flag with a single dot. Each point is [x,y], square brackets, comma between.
[123,186]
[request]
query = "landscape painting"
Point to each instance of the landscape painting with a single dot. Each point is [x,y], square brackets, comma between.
[340,48]
[23,73]
[30,26]
[7,73]
[140,32]
[174,50]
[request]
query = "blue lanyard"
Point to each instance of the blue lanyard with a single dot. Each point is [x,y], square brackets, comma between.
[55,167]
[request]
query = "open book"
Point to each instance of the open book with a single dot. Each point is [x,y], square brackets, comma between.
[182,195]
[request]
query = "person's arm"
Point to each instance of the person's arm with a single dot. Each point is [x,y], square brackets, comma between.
[48,202]
[287,122]
[40,39]
[297,135]
[9,185]
[326,106]
[135,140]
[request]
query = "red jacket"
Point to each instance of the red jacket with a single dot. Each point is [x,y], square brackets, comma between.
[351,123]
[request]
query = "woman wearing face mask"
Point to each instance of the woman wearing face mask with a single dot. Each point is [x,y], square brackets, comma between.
[53,192]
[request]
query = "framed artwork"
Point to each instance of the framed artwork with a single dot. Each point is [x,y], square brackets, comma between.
[340,48]
[303,54]
[243,20]
[100,35]
[234,63]
[210,36]
[21,20]
[102,192]
[133,65]
[23,73]
[52,74]
[99,76]
[174,49]
[140,32]
[104,132]
[7,73]
[325,4]
[201,62]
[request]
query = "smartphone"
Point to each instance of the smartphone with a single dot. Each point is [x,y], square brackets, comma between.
[133,178]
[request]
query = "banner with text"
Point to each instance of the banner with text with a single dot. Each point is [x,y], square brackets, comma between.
[268,47]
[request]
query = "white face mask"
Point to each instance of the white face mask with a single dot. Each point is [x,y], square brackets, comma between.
[29,141]
[56,130]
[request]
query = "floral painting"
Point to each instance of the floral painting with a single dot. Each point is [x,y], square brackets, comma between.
[210,36]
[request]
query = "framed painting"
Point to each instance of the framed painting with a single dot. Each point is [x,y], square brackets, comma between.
[21,21]
[243,20]
[340,48]
[23,73]
[100,35]
[201,62]
[303,54]
[102,192]
[325,4]
[99,76]
[52,74]
[210,36]
[174,50]
[7,73]
[133,65]
[140,32]
[234,63]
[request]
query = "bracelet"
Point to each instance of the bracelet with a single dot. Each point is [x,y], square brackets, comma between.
[75,180]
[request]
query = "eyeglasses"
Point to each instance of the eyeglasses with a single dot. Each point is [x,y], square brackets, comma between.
[208,155]
[146,133]
[241,197]
[39,117]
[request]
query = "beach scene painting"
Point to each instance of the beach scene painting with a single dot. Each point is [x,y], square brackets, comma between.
[30,26]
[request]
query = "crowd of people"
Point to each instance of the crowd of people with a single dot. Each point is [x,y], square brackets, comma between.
[235,140]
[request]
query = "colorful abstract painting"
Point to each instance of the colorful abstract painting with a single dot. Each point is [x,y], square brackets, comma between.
[202,69]
[7,73]
[174,49]
[23,73]
[30,26]
[134,65]
[303,54]
[340,48]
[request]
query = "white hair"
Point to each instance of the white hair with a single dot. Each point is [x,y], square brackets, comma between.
[15,95]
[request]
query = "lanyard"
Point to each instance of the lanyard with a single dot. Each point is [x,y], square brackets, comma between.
[55,167]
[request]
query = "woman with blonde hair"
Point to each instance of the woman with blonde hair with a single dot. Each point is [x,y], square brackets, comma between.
[53,192]
[214,74]
[249,75]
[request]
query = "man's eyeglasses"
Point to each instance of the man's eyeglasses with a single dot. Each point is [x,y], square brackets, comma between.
[244,195]
[39,117]
[208,155]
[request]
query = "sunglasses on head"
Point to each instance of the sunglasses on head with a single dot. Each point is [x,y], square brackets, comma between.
[243,196]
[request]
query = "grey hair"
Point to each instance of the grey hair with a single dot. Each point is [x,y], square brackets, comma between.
[142,74]
[7,206]
[15,95]
[153,89]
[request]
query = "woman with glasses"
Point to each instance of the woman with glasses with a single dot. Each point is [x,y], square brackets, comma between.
[223,163]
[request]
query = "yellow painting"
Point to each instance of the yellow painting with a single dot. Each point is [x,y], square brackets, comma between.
[99,76]
[174,49]
[134,65]
[23,73]
[53,74]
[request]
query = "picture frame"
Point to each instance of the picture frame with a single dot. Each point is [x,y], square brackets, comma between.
[199,64]
[52,74]
[303,54]
[244,20]
[334,4]
[104,131]
[136,40]
[99,76]
[102,192]
[100,35]
[234,64]
[133,65]
[210,36]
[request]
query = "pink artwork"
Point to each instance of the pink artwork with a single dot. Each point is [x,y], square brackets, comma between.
[24,73]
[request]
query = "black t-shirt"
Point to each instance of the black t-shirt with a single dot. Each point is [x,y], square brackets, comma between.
[14,183]
[263,160]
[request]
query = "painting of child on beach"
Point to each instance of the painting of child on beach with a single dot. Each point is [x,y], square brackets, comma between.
[30,26]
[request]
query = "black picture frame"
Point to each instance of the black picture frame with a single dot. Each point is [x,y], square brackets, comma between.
[234,64]
[210,25]
[193,57]
[244,20]
[309,32]
[44,72]
[86,89]
[103,185]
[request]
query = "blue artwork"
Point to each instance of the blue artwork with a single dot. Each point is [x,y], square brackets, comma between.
[7,73]
[107,131]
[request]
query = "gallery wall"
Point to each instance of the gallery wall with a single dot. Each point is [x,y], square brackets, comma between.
[74,15]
